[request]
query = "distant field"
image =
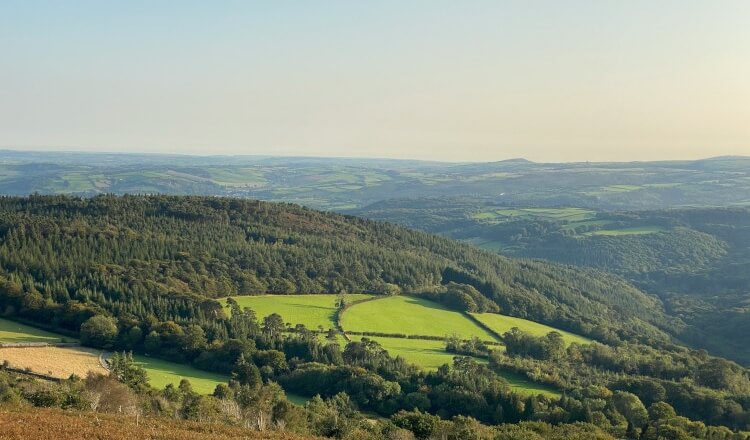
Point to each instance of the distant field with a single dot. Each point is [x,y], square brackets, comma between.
[558,214]
[411,316]
[503,323]
[486,244]
[13,332]
[161,373]
[310,310]
[612,189]
[573,225]
[58,362]
[627,231]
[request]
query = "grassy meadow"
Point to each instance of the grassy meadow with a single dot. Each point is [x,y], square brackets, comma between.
[411,316]
[312,311]
[427,354]
[522,384]
[14,332]
[430,355]
[503,323]
[161,373]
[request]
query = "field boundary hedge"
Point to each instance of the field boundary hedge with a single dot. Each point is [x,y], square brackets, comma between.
[484,326]
[38,344]
[31,373]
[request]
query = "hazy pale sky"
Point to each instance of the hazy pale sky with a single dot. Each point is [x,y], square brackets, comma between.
[447,80]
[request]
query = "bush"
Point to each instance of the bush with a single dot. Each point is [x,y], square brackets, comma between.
[99,331]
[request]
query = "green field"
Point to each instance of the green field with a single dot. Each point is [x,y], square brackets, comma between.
[13,332]
[427,354]
[312,311]
[161,373]
[411,316]
[522,384]
[430,355]
[503,323]
[642,230]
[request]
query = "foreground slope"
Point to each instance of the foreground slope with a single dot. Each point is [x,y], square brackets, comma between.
[34,423]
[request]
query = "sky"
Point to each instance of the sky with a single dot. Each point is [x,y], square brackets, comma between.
[461,80]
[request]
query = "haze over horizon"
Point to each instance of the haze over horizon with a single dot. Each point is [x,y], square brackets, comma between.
[64,150]
[479,81]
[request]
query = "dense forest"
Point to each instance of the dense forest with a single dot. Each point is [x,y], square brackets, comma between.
[142,273]
[169,256]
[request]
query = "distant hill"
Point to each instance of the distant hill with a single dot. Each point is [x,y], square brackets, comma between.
[343,184]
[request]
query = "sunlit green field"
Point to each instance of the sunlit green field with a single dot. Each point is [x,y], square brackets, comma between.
[13,332]
[312,311]
[161,373]
[427,354]
[503,323]
[411,316]
[430,355]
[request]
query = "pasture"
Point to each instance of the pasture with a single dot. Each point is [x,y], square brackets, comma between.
[425,353]
[410,316]
[161,373]
[13,332]
[503,323]
[522,384]
[430,355]
[313,311]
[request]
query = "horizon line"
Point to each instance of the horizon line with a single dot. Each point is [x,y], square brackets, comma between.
[73,151]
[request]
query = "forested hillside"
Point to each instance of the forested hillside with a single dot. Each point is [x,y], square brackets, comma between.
[167,256]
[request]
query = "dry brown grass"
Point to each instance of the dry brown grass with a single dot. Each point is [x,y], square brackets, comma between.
[33,423]
[58,362]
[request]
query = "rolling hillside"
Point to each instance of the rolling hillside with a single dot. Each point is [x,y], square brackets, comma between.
[169,256]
